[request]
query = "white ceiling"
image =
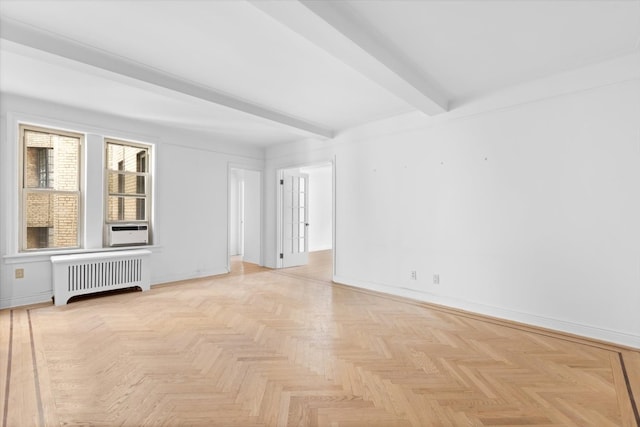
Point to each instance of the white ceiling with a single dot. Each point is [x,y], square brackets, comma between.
[265,72]
[476,47]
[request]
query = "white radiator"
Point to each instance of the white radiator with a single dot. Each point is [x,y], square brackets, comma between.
[81,274]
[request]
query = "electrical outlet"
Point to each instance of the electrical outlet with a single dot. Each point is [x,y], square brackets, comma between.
[19,273]
[436,279]
[414,275]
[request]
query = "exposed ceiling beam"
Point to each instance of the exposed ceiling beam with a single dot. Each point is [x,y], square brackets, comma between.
[331,27]
[22,34]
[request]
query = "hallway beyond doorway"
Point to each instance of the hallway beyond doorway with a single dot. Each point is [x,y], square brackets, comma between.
[318,268]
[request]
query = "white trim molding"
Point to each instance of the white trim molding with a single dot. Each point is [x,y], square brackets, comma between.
[587,331]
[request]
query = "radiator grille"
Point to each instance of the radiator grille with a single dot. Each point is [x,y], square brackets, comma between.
[81,274]
[98,275]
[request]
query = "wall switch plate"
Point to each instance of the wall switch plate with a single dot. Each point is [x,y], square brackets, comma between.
[436,279]
[414,275]
[19,273]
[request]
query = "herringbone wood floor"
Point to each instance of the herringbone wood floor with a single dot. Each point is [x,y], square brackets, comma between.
[261,348]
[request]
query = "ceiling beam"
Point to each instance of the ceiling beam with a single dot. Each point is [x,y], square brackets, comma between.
[22,34]
[333,28]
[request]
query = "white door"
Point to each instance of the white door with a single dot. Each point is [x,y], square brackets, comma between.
[295,218]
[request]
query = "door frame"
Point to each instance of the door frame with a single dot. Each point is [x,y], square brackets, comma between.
[279,214]
[246,167]
[236,211]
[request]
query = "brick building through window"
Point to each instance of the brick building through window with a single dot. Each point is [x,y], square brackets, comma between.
[50,188]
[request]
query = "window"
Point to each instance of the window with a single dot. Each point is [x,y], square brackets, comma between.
[141,161]
[121,190]
[128,186]
[50,198]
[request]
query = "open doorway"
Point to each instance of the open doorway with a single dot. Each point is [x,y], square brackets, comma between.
[306,218]
[245,217]
[320,207]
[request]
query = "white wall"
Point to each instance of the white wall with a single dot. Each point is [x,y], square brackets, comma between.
[252,216]
[191,182]
[527,210]
[320,207]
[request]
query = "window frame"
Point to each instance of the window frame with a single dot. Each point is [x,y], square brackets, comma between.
[147,196]
[23,191]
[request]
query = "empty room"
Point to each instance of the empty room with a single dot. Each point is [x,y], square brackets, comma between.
[320,213]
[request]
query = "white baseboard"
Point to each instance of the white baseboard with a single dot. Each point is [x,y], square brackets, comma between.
[26,300]
[42,297]
[168,278]
[586,331]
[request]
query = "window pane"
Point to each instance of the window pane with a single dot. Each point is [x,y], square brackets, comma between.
[126,208]
[126,158]
[120,183]
[51,161]
[52,220]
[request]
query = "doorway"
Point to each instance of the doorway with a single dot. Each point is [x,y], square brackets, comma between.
[245,216]
[306,214]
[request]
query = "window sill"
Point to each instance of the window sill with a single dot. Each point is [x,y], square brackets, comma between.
[45,256]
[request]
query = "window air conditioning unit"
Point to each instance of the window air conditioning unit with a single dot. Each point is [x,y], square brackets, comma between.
[128,234]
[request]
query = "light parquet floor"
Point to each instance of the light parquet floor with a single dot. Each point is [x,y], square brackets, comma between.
[287,348]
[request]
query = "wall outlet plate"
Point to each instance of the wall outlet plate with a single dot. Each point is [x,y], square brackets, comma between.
[19,273]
